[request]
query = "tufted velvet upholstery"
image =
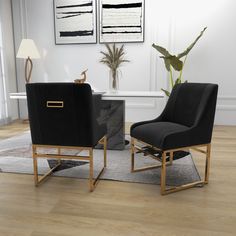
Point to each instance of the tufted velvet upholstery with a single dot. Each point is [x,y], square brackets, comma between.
[73,125]
[187,119]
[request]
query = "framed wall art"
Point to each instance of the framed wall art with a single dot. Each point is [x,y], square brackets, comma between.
[121,21]
[75,21]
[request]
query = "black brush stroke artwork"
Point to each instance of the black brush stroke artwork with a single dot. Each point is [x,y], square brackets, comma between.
[113,29]
[76,33]
[78,10]
[75,14]
[122,26]
[117,6]
[122,32]
[78,5]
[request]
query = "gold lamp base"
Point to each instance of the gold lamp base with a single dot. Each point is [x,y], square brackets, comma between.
[28,69]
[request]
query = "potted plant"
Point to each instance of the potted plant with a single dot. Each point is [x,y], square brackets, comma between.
[174,62]
[113,58]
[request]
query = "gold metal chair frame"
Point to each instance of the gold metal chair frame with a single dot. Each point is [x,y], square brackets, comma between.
[164,190]
[92,181]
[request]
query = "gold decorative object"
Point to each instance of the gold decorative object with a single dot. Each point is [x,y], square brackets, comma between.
[83,77]
[55,104]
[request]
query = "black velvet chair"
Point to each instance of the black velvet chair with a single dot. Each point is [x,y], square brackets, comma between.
[186,122]
[63,116]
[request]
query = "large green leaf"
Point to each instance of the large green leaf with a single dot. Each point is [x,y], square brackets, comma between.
[184,53]
[175,62]
[161,50]
[169,59]
[167,93]
[167,63]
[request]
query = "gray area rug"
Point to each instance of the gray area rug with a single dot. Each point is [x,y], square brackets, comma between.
[15,157]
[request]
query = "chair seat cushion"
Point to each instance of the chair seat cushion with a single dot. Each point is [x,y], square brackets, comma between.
[155,133]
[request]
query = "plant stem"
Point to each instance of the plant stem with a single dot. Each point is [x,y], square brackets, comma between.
[181,72]
[171,78]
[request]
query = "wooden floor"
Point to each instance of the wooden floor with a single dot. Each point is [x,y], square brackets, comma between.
[64,207]
[13,129]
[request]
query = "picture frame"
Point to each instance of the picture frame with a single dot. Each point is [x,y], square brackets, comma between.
[121,21]
[75,21]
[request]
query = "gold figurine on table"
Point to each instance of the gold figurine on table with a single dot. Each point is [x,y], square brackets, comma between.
[83,77]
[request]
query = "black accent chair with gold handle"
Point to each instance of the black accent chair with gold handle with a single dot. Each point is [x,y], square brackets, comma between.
[63,116]
[186,123]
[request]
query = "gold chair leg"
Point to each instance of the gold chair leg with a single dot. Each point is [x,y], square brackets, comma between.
[207,167]
[163,173]
[165,191]
[47,174]
[35,163]
[133,169]
[35,171]
[92,181]
[91,186]
[38,180]
[132,154]
[171,157]
[59,153]
[105,150]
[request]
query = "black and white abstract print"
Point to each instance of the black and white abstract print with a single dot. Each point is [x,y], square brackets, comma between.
[121,21]
[75,21]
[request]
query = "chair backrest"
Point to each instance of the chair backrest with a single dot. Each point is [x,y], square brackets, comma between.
[192,104]
[60,113]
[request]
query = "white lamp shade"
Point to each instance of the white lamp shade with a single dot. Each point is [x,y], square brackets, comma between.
[27,49]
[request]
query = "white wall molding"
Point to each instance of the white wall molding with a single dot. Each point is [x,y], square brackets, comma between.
[226,110]
[23,19]
[139,105]
[226,97]
[226,107]
[9,55]
[153,105]
[226,103]
[20,25]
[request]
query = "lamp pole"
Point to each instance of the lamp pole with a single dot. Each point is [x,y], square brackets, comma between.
[28,69]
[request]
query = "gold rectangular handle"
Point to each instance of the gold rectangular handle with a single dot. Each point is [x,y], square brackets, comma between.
[55,104]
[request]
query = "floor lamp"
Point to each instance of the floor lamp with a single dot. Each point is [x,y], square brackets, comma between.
[28,51]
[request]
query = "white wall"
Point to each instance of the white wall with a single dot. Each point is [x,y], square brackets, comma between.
[173,24]
[9,55]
